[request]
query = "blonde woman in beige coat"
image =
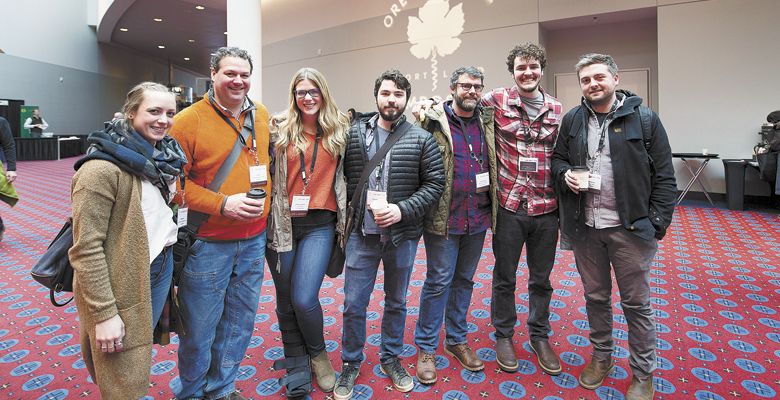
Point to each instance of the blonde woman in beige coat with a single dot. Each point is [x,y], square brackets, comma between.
[121,218]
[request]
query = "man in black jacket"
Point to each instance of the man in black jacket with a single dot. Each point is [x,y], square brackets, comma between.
[389,213]
[9,151]
[615,213]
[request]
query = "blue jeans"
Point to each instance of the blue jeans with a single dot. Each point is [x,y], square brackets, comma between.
[160,274]
[300,277]
[452,261]
[219,290]
[363,256]
[540,236]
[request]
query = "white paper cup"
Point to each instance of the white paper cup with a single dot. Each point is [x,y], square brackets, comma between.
[581,174]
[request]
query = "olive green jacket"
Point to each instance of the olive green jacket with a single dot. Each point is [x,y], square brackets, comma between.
[434,120]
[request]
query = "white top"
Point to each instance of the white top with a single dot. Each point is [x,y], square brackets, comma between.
[160,228]
[28,124]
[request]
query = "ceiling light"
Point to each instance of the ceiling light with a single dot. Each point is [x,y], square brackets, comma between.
[160,47]
[186,58]
[191,40]
[158,20]
[123,29]
[199,7]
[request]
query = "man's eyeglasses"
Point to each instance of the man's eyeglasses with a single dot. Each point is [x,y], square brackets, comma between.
[314,93]
[467,86]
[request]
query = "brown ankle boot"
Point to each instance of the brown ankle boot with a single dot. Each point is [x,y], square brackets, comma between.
[641,389]
[426,368]
[323,370]
[595,372]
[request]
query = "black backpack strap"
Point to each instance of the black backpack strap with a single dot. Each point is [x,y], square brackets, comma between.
[646,120]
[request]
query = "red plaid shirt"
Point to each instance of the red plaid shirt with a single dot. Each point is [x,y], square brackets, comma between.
[517,136]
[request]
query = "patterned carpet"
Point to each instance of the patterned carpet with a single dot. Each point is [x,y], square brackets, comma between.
[716,286]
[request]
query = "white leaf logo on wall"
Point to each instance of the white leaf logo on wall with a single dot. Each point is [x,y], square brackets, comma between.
[435,32]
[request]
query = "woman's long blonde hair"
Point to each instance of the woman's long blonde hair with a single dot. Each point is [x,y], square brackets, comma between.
[333,124]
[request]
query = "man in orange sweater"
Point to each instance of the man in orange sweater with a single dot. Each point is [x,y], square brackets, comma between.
[220,284]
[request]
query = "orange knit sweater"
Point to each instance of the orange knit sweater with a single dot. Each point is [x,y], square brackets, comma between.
[207,140]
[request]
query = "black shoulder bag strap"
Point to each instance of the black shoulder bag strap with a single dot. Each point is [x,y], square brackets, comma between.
[645,120]
[196,219]
[377,158]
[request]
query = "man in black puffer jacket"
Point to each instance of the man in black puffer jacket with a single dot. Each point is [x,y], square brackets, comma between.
[389,213]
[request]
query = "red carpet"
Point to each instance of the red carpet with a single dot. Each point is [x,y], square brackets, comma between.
[716,282]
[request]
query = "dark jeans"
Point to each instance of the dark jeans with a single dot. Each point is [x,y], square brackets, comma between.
[540,235]
[298,280]
[446,293]
[630,257]
[363,256]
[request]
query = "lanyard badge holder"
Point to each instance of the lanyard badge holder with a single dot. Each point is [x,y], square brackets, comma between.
[300,202]
[482,177]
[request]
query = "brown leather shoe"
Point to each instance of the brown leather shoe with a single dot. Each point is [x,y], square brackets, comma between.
[465,356]
[426,368]
[548,360]
[595,372]
[641,389]
[505,354]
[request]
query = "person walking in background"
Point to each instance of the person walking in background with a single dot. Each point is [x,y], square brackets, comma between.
[309,198]
[455,235]
[122,229]
[9,172]
[623,145]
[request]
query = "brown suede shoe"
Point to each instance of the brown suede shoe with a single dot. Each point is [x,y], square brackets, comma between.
[505,354]
[548,360]
[595,372]
[641,389]
[426,368]
[465,356]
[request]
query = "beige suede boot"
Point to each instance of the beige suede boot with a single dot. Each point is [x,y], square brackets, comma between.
[323,370]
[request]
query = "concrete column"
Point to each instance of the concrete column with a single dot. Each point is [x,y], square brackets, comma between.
[244,28]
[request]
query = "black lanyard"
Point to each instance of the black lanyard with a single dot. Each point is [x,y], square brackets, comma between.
[306,178]
[248,123]
[602,134]
[381,165]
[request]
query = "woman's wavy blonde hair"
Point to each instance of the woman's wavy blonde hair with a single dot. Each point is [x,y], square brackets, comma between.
[287,127]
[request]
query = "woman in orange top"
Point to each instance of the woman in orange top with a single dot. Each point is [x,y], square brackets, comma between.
[307,212]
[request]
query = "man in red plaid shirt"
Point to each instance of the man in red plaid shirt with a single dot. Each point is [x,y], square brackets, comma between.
[526,126]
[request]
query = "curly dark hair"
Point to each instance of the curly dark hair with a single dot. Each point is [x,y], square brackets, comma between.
[397,77]
[527,51]
[223,52]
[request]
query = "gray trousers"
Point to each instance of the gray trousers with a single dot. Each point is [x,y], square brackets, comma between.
[630,256]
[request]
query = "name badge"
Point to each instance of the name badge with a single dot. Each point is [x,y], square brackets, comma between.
[299,206]
[528,164]
[258,174]
[483,182]
[181,217]
[594,183]
[372,195]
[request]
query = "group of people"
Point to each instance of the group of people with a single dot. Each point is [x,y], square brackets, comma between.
[502,160]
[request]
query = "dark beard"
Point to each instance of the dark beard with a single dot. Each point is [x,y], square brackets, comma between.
[390,118]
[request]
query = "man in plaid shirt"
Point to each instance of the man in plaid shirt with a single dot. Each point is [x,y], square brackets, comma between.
[526,126]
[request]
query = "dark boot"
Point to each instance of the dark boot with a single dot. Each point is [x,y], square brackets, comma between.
[595,372]
[297,381]
[641,389]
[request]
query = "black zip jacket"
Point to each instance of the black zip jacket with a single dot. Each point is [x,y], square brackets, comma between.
[645,186]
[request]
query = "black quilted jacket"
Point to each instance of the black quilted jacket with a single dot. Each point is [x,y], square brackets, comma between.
[416,177]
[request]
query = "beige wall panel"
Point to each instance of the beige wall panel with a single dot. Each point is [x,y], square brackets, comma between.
[558,9]
[718,78]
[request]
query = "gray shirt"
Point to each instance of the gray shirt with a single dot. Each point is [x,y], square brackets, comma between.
[375,138]
[533,106]
[601,207]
